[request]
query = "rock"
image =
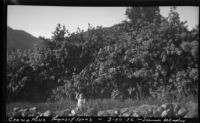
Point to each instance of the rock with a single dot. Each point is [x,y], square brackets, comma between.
[123,110]
[134,114]
[165,113]
[73,112]
[169,109]
[116,112]
[33,109]
[176,107]
[127,114]
[102,113]
[164,106]
[23,112]
[145,110]
[92,112]
[40,114]
[112,112]
[47,113]
[182,112]
[15,109]
[65,112]
[158,111]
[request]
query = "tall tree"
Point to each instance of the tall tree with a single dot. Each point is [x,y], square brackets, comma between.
[59,33]
[138,14]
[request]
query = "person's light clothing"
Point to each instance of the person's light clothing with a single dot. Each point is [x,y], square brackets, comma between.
[81,102]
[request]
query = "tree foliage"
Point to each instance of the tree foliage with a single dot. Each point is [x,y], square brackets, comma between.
[134,59]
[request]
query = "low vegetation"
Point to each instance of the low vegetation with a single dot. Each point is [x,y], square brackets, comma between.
[98,104]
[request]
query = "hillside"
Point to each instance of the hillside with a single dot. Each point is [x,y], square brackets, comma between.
[20,39]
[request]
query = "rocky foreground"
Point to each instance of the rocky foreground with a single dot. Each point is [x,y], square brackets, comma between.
[189,110]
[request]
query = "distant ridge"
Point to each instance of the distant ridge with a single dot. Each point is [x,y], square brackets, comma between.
[19,39]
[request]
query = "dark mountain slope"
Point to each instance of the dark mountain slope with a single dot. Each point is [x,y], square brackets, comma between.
[19,39]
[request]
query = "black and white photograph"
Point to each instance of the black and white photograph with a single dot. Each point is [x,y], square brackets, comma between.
[139,61]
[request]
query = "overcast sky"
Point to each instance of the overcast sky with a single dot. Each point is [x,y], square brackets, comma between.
[42,20]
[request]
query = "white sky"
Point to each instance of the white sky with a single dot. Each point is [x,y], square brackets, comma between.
[42,20]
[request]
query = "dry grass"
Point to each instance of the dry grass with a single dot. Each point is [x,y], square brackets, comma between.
[99,104]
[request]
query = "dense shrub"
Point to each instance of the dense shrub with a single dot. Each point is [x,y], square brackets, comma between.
[155,57]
